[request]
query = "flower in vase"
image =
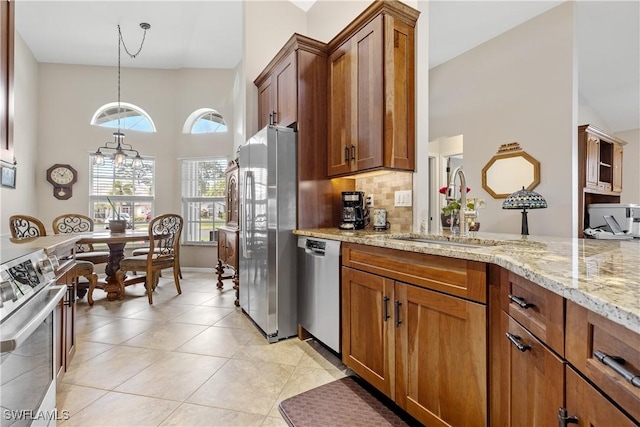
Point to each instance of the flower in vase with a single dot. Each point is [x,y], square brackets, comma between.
[455,205]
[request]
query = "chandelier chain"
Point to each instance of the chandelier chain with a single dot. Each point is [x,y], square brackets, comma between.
[145,27]
[144,35]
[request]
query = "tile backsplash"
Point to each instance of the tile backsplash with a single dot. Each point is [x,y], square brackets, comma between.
[383,188]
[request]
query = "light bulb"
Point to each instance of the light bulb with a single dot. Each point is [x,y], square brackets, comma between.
[119,158]
[98,159]
[137,162]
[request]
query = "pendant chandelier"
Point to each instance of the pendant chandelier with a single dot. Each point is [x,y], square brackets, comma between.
[118,149]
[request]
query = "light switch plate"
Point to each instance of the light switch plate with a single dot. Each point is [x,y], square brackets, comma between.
[403,198]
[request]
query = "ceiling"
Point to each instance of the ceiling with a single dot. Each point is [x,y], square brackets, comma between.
[208,34]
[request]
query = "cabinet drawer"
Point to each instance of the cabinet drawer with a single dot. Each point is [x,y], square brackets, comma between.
[466,279]
[536,384]
[587,333]
[537,309]
[590,406]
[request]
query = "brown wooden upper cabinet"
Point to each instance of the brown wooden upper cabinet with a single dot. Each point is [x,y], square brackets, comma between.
[599,170]
[6,75]
[277,95]
[603,160]
[371,108]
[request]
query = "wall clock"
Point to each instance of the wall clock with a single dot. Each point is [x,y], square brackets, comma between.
[62,177]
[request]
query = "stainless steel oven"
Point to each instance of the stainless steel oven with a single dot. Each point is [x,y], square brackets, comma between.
[28,298]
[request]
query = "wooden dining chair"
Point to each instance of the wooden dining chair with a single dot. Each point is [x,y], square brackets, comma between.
[164,239]
[26,227]
[78,223]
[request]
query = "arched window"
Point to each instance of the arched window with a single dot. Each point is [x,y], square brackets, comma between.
[131,117]
[204,120]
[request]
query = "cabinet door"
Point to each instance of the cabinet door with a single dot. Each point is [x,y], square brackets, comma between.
[590,407]
[617,168]
[341,144]
[222,245]
[286,92]
[441,357]
[58,338]
[367,328]
[266,102]
[592,162]
[232,248]
[369,101]
[233,202]
[536,380]
[70,324]
[399,115]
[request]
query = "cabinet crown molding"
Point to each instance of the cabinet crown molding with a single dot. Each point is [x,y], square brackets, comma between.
[601,134]
[295,42]
[399,10]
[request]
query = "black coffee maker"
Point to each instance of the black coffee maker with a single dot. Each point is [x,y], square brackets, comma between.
[355,213]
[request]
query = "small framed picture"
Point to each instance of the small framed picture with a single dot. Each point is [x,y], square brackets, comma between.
[8,176]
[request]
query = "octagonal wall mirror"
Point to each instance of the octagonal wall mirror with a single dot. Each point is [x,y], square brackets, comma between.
[510,170]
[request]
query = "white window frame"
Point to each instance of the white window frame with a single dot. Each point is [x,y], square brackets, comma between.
[193,203]
[126,110]
[192,121]
[129,201]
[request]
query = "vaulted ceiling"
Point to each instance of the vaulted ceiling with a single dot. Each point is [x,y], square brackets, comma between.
[208,34]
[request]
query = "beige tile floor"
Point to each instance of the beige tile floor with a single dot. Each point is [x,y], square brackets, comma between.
[187,360]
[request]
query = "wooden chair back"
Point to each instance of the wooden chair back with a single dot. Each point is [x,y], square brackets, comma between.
[26,227]
[74,223]
[164,236]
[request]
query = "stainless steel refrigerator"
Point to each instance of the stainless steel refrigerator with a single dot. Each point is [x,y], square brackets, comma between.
[268,189]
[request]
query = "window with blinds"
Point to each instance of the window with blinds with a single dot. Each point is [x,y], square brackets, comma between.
[203,199]
[131,191]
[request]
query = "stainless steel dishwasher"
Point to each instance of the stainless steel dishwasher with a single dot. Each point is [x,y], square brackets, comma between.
[319,289]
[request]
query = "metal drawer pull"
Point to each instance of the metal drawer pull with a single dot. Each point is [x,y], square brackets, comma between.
[564,418]
[385,301]
[398,320]
[353,152]
[615,363]
[515,340]
[521,302]
[346,154]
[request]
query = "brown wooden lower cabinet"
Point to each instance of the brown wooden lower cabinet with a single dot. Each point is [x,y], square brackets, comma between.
[589,406]
[367,328]
[228,258]
[533,383]
[426,350]
[65,319]
[441,361]
[536,386]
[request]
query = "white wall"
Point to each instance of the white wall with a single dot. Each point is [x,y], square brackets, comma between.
[268,26]
[328,17]
[70,94]
[517,87]
[23,200]
[630,169]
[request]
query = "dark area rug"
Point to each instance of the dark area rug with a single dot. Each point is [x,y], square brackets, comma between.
[344,402]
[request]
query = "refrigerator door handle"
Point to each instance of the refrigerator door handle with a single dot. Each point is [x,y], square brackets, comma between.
[245,217]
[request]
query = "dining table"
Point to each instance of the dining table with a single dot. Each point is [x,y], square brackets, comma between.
[116,243]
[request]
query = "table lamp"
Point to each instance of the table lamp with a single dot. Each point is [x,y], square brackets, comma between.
[524,199]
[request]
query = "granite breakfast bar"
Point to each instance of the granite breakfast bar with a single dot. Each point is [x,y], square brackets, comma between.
[534,330]
[600,275]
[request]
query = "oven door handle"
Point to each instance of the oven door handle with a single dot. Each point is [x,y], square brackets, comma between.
[54,295]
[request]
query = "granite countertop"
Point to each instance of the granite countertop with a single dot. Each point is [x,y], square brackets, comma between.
[601,275]
[49,243]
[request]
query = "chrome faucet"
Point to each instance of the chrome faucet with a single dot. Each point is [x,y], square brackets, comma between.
[463,214]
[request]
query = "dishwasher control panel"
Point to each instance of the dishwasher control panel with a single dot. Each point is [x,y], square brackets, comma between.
[316,246]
